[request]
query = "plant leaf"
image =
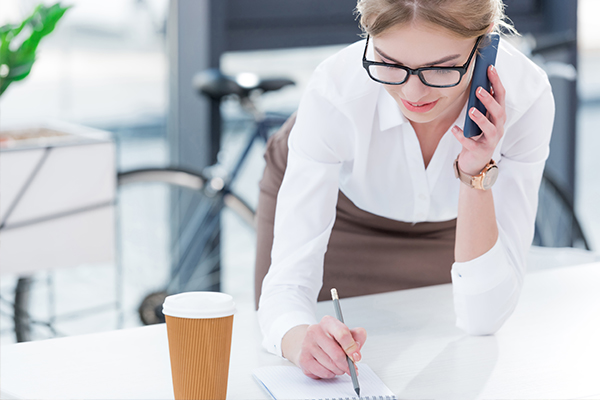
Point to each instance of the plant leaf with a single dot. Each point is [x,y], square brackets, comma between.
[42,21]
[49,18]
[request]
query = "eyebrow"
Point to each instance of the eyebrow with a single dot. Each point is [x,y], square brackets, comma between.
[440,61]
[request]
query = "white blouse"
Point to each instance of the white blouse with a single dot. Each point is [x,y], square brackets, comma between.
[350,135]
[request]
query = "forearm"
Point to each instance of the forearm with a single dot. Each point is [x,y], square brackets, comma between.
[476,226]
[484,284]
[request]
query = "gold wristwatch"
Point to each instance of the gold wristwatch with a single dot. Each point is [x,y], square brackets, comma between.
[483,181]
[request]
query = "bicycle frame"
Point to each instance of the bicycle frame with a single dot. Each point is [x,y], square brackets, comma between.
[261,131]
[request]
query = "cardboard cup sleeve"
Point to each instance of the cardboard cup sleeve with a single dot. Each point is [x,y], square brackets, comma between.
[199,328]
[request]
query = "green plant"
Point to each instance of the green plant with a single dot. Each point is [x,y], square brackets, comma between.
[16,63]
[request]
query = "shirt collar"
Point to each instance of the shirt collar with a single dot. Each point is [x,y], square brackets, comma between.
[390,115]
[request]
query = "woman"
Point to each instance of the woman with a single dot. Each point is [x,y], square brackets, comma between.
[370,201]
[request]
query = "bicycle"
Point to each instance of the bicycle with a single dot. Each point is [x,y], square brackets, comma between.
[190,258]
[556,223]
[202,198]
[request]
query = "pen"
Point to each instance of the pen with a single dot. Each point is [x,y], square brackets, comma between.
[338,313]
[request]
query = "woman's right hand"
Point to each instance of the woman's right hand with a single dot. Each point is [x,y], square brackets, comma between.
[320,350]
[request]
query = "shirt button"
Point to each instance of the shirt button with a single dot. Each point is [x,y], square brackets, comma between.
[423,196]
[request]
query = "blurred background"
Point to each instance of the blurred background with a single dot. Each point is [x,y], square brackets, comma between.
[127,69]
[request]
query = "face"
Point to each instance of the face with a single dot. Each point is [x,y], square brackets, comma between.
[419,45]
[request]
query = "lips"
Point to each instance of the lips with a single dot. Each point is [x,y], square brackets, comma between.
[419,107]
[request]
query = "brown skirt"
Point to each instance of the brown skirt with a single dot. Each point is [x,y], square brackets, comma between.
[366,253]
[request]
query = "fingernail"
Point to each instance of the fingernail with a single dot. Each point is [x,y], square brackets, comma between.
[474,111]
[493,69]
[455,129]
[356,357]
[481,92]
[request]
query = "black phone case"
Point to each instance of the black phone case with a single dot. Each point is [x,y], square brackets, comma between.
[485,58]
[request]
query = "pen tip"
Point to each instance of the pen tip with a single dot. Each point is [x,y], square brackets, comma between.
[357,391]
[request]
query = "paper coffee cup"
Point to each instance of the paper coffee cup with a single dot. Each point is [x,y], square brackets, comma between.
[199,327]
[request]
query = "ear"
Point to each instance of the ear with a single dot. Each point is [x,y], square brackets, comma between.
[491,28]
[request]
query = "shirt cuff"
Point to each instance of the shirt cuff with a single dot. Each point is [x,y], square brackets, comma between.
[482,273]
[279,327]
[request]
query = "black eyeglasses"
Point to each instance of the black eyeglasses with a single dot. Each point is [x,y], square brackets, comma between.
[394,74]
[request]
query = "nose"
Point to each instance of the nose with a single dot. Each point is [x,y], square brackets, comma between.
[414,89]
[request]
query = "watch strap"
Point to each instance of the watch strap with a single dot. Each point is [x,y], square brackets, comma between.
[473,181]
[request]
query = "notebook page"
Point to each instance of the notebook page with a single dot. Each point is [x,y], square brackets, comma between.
[291,383]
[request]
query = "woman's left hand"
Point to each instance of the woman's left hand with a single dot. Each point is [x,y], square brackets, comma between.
[477,151]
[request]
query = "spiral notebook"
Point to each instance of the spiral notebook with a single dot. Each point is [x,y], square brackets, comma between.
[291,383]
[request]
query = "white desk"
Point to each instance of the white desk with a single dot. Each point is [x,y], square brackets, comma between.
[549,348]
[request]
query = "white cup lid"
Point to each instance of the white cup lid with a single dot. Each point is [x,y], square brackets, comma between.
[199,305]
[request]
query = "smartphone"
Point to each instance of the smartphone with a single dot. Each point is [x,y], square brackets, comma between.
[485,57]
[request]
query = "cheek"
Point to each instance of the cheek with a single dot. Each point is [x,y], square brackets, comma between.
[465,83]
[457,91]
[393,90]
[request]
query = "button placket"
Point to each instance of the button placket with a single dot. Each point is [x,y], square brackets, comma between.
[418,174]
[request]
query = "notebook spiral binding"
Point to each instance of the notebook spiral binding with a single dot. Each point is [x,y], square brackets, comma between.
[363,398]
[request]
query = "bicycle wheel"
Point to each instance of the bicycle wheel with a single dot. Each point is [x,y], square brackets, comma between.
[556,224]
[170,225]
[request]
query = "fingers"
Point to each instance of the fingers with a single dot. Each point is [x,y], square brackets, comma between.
[494,100]
[494,103]
[333,361]
[498,90]
[496,112]
[313,368]
[486,126]
[331,355]
[478,150]
[467,143]
[360,337]
[342,335]
[325,346]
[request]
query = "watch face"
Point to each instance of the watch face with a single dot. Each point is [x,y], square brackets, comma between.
[490,177]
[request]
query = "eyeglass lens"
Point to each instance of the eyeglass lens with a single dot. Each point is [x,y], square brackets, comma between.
[437,77]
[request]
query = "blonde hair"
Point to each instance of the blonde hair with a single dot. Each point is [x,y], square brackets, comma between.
[464,18]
